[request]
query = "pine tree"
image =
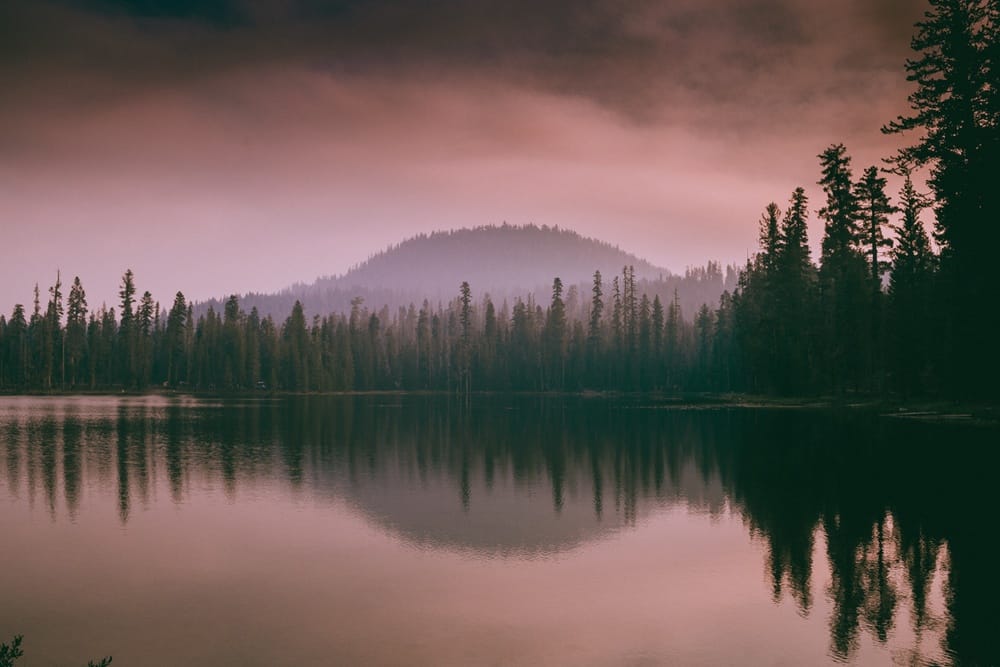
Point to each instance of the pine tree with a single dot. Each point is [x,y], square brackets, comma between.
[631,306]
[189,334]
[841,210]
[465,316]
[270,356]
[672,341]
[955,112]
[491,342]
[911,283]
[794,263]
[645,342]
[703,325]
[295,350]
[144,340]
[127,330]
[76,330]
[18,348]
[465,342]
[234,342]
[424,366]
[873,213]
[617,330]
[770,238]
[555,336]
[723,344]
[844,301]
[52,332]
[596,312]
[36,342]
[521,341]
[796,280]
[176,342]
[594,331]
[109,362]
[657,324]
[874,209]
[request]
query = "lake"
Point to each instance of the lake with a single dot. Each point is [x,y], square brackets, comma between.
[415,530]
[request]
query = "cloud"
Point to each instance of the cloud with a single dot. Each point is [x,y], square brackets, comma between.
[266,141]
[637,57]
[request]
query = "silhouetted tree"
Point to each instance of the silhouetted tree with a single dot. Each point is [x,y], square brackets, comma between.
[914,320]
[11,652]
[873,213]
[555,338]
[144,340]
[295,351]
[176,341]
[844,299]
[127,330]
[955,114]
[795,295]
[76,330]
[465,342]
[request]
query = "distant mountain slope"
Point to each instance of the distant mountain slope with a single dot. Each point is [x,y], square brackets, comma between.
[506,261]
[507,257]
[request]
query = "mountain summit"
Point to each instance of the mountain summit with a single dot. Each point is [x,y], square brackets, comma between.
[503,258]
[506,261]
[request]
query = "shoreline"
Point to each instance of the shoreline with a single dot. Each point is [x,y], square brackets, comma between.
[919,409]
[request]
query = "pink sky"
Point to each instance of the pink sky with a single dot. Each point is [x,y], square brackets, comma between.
[215,156]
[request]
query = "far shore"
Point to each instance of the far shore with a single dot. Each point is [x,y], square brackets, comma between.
[924,409]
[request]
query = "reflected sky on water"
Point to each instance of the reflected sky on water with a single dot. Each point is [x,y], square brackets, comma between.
[413,530]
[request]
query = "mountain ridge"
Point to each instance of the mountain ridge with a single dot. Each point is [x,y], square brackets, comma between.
[588,253]
[507,261]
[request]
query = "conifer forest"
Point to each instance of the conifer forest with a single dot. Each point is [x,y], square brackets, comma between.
[886,307]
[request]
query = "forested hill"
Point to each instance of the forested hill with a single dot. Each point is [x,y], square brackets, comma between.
[504,256]
[506,261]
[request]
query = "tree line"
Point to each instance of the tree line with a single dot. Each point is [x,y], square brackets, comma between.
[465,345]
[879,312]
[617,338]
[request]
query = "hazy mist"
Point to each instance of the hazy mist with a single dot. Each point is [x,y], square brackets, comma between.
[246,145]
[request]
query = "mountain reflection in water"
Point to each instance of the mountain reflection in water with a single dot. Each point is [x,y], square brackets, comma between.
[900,514]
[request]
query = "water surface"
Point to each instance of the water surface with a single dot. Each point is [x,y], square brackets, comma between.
[412,530]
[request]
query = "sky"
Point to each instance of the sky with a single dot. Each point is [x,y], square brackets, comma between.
[220,146]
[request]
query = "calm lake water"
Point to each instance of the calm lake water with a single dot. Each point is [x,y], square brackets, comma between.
[412,530]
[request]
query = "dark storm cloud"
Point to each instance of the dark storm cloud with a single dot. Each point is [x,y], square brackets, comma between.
[635,56]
